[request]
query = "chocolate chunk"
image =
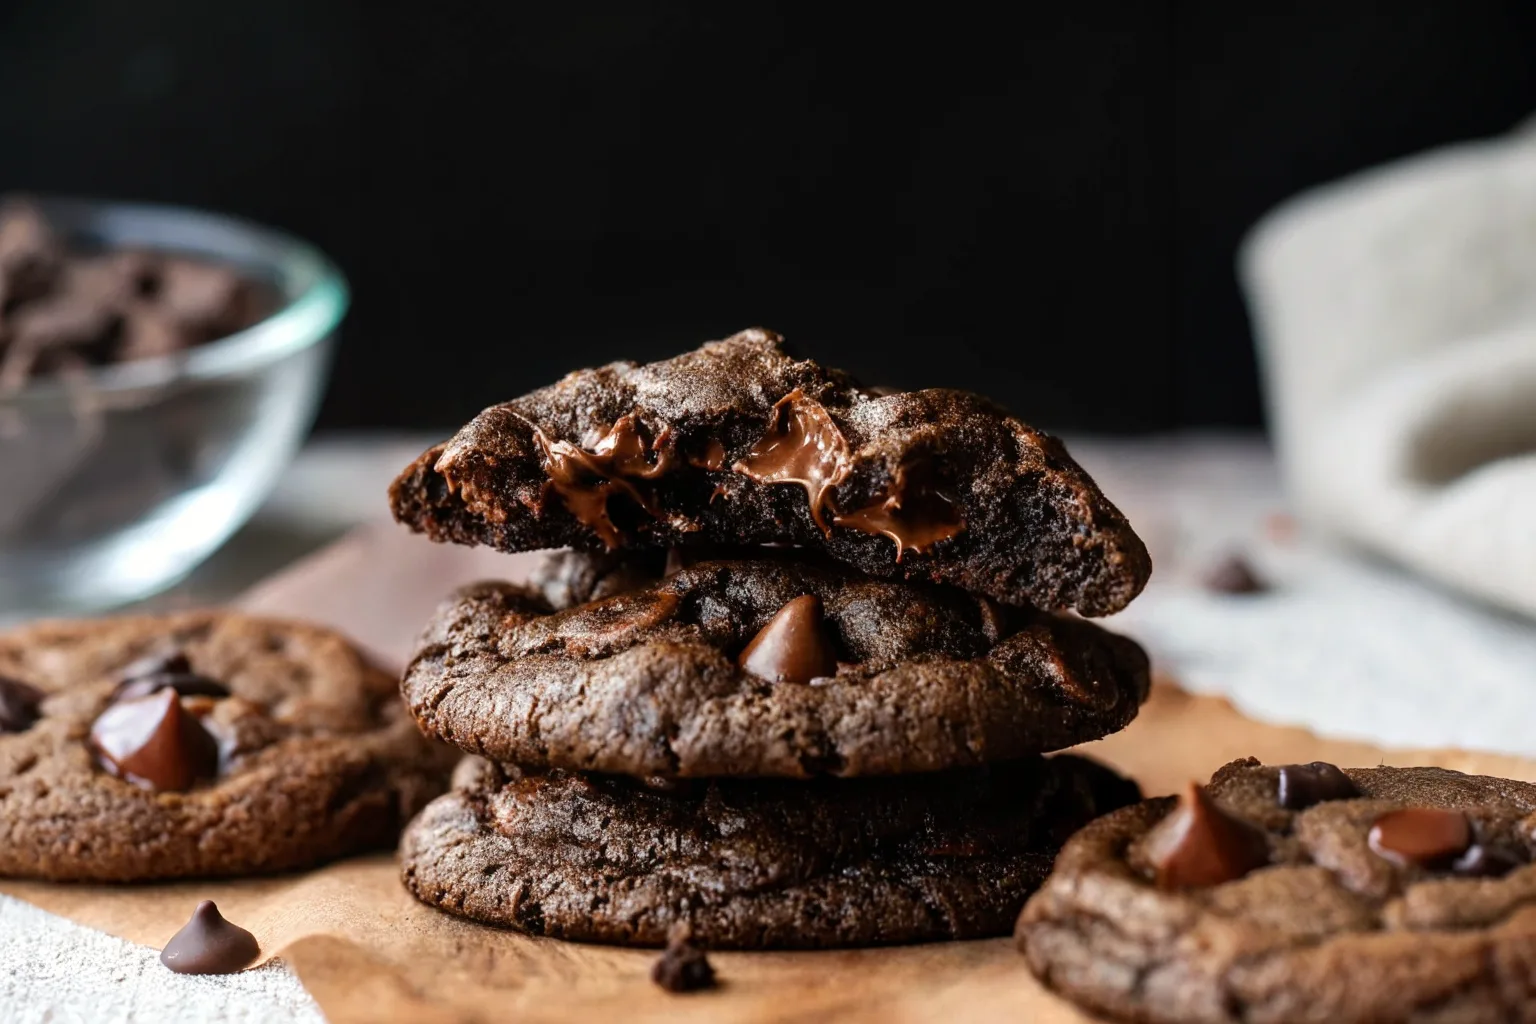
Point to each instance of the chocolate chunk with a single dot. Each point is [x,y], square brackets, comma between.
[586,479]
[155,664]
[793,647]
[683,967]
[802,446]
[1485,862]
[1420,836]
[916,514]
[1233,575]
[1200,844]
[187,684]
[29,253]
[18,705]
[153,742]
[1302,785]
[156,672]
[202,296]
[208,944]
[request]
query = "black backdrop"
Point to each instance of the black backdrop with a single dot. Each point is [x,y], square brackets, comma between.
[1044,208]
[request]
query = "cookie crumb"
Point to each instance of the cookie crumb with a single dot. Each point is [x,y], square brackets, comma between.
[683,967]
[1233,575]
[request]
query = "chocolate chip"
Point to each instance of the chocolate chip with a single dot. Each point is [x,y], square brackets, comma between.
[1485,861]
[171,670]
[1302,785]
[18,705]
[153,742]
[1233,575]
[208,944]
[187,684]
[793,647]
[1420,836]
[155,664]
[1200,844]
[683,967]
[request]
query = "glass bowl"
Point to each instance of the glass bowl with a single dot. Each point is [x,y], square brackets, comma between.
[116,485]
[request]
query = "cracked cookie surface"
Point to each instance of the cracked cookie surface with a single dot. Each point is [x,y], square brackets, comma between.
[739,443]
[1396,894]
[888,677]
[751,864]
[237,745]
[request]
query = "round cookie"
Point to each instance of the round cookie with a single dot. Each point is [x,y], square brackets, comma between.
[1299,893]
[201,744]
[751,864]
[878,677]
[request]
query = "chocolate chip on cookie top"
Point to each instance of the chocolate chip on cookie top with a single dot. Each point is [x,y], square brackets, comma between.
[1384,891]
[739,443]
[18,705]
[1420,836]
[172,670]
[766,668]
[1201,844]
[154,742]
[794,646]
[1302,785]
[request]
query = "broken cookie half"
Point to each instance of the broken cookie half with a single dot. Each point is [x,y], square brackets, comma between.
[737,442]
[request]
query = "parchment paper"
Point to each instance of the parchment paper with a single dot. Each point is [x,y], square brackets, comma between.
[368,952]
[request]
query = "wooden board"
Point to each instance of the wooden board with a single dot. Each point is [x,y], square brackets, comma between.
[370,953]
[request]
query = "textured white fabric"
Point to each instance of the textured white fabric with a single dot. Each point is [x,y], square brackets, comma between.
[53,971]
[1343,644]
[1396,315]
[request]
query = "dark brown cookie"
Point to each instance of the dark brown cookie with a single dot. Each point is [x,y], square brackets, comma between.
[739,443]
[1375,894]
[201,744]
[751,864]
[766,668]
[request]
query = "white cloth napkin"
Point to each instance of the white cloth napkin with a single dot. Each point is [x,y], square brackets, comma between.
[1396,319]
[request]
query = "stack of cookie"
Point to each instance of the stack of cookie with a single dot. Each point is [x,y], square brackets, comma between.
[793,685]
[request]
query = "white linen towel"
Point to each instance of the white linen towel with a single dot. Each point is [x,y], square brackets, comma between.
[1395,313]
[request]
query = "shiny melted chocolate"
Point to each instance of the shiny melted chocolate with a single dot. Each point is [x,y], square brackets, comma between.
[711,458]
[802,446]
[916,514]
[586,478]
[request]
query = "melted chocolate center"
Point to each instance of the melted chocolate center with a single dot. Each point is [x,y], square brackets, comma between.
[916,514]
[802,446]
[586,478]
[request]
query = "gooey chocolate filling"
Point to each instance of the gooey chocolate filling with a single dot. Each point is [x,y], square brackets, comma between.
[802,446]
[586,478]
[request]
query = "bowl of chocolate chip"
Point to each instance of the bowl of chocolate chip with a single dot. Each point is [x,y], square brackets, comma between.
[159,367]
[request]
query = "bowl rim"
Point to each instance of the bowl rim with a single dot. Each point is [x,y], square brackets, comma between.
[307,317]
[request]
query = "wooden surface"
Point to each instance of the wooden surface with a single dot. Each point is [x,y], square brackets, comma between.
[368,952]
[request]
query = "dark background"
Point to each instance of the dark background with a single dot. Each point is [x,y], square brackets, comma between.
[1044,208]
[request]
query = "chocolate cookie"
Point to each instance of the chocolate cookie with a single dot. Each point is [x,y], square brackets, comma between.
[766,668]
[739,443]
[751,864]
[199,744]
[1300,893]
